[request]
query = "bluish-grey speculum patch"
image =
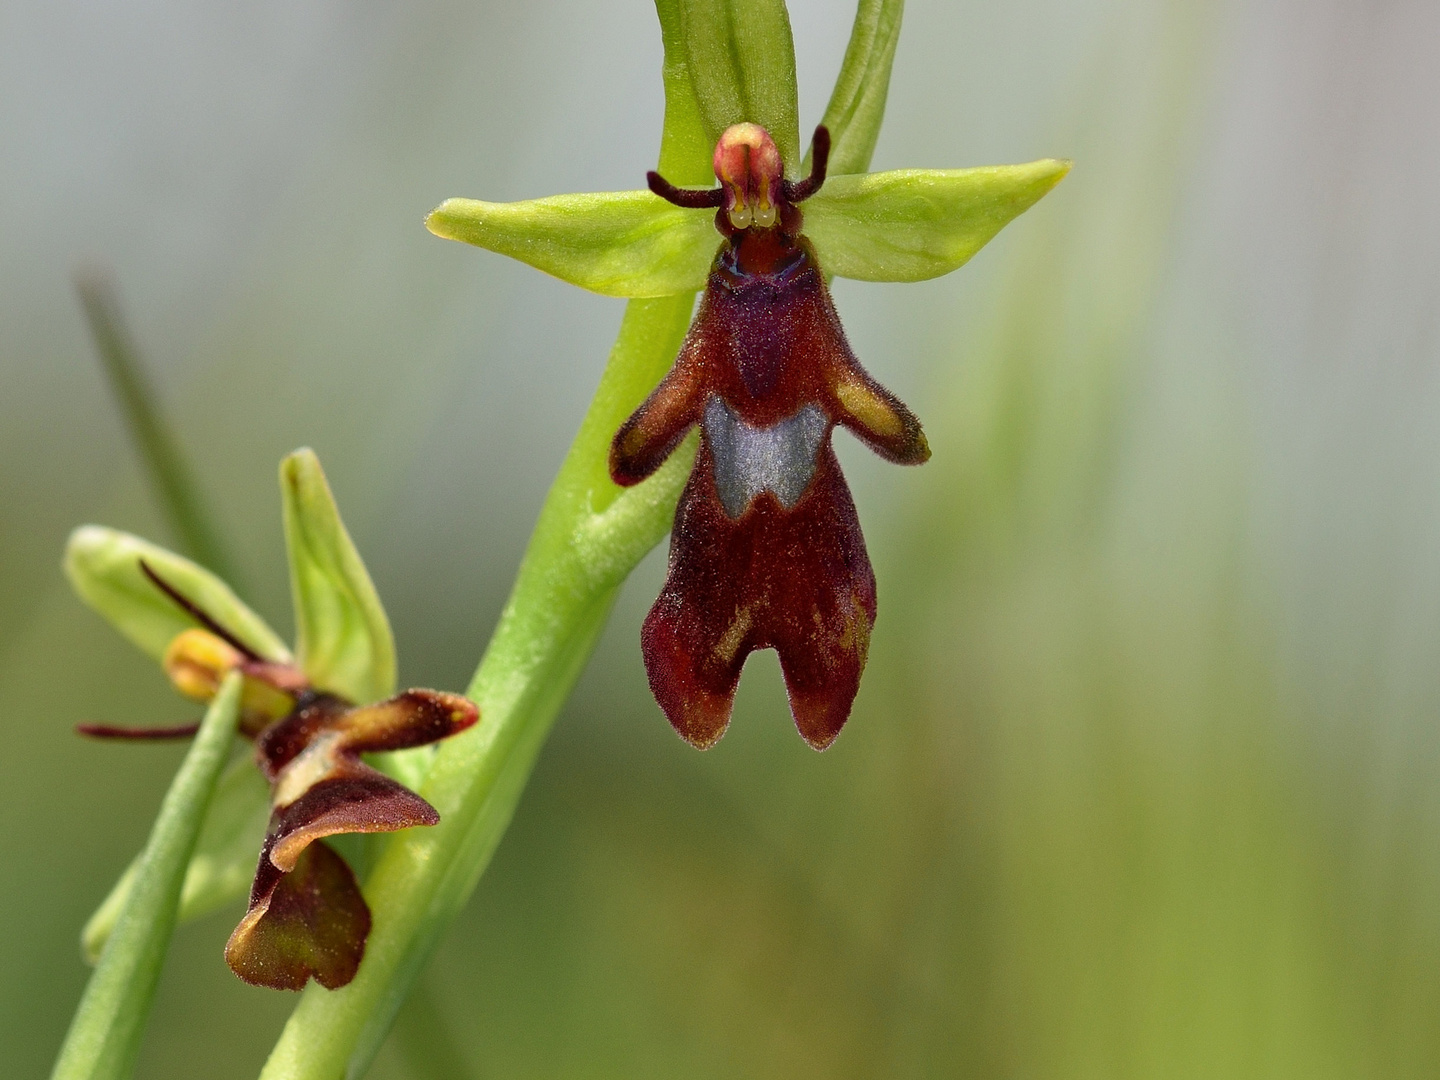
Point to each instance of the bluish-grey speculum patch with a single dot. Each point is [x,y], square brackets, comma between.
[751,460]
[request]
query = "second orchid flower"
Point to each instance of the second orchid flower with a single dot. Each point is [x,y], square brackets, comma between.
[306,915]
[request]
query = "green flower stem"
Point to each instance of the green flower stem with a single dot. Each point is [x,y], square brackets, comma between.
[590,534]
[160,451]
[104,1037]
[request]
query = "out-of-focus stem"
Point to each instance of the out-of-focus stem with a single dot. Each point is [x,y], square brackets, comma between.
[427,1045]
[104,1036]
[160,453]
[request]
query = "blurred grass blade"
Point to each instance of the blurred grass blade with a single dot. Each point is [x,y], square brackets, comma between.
[103,566]
[913,224]
[342,636]
[170,474]
[740,57]
[426,1042]
[222,865]
[857,104]
[619,243]
[104,1036]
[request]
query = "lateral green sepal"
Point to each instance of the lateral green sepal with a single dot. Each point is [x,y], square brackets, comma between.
[913,224]
[618,243]
[103,565]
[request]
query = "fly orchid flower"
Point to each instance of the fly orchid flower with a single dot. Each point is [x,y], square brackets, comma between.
[310,717]
[766,549]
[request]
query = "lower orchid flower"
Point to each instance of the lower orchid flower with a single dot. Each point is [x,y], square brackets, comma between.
[306,916]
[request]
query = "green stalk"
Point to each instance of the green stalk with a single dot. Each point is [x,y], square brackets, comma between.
[105,1034]
[160,453]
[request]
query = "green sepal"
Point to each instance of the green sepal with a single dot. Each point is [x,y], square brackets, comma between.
[685,146]
[740,58]
[913,224]
[857,104]
[223,863]
[618,243]
[342,637]
[103,565]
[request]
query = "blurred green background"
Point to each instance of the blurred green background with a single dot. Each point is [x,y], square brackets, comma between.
[1144,778]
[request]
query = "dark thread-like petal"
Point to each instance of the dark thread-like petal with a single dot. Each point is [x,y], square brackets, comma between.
[136,734]
[198,613]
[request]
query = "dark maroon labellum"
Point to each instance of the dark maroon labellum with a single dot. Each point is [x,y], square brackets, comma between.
[766,550]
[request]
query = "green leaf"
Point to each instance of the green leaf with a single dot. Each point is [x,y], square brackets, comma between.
[619,243]
[223,864]
[740,58]
[103,565]
[342,637]
[857,104]
[104,1036]
[914,224]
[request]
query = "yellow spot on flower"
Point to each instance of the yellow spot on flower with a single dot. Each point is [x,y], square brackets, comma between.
[870,409]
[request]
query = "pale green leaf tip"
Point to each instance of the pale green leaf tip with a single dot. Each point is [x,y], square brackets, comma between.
[442,221]
[1054,170]
[299,465]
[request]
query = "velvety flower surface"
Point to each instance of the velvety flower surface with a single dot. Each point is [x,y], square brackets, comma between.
[307,916]
[767,550]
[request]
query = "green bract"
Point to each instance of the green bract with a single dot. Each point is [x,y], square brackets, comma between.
[857,104]
[342,636]
[223,861]
[905,225]
[344,645]
[619,243]
[104,1036]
